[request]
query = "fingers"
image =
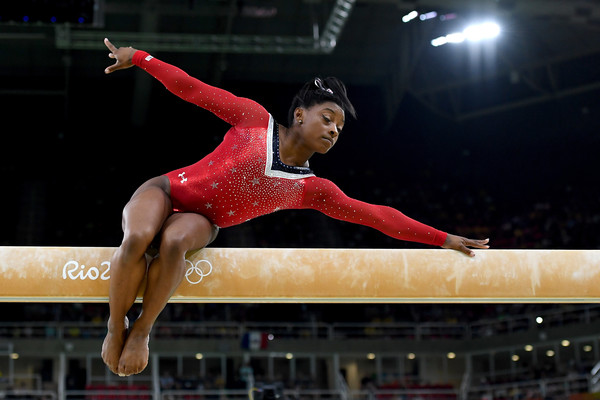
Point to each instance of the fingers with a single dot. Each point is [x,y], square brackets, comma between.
[110,46]
[123,57]
[478,244]
[112,49]
[464,249]
[463,245]
[111,68]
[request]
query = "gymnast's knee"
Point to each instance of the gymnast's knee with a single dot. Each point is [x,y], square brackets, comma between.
[176,242]
[174,245]
[135,244]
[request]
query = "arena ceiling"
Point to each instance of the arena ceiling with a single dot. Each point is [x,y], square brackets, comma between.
[547,50]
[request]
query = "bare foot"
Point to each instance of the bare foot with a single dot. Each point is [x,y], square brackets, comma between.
[113,345]
[134,357]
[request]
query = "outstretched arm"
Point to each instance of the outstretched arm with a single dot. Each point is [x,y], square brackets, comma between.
[230,108]
[325,196]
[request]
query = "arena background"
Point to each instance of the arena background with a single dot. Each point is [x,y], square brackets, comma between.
[497,138]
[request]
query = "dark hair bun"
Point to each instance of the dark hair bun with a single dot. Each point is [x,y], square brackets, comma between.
[320,91]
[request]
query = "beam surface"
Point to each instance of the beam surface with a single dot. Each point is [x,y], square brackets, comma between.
[238,275]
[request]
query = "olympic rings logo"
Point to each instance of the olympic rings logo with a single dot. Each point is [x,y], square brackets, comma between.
[195,272]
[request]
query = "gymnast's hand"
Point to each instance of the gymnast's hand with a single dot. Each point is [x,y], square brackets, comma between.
[460,243]
[123,55]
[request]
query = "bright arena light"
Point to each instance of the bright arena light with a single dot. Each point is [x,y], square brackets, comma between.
[473,33]
[487,30]
[410,16]
[429,15]
[457,37]
[439,41]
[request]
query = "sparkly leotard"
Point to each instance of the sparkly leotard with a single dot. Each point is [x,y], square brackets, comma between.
[244,177]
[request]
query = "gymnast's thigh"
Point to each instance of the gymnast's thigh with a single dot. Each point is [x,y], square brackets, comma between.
[187,231]
[149,207]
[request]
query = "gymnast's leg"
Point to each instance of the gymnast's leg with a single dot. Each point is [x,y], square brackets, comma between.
[143,218]
[181,232]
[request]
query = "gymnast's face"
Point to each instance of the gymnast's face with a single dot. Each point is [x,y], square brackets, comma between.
[321,125]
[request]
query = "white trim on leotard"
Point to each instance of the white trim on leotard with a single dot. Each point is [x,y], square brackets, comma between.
[273,155]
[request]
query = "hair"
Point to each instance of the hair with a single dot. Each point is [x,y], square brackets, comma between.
[319,91]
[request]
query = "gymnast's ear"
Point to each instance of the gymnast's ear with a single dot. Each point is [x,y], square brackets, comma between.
[298,114]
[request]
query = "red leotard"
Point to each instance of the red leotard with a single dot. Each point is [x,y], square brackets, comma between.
[244,177]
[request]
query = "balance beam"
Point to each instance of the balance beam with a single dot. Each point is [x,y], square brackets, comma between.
[237,275]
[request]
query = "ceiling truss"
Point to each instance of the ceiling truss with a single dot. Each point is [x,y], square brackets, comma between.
[69,37]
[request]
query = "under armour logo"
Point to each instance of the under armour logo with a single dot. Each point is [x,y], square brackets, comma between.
[195,273]
[183,179]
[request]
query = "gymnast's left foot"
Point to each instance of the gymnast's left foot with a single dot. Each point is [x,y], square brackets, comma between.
[134,357]
[113,344]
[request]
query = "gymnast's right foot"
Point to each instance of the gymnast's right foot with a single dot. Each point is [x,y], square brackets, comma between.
[112,347]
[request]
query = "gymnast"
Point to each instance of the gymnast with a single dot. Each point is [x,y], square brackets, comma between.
[259,168]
